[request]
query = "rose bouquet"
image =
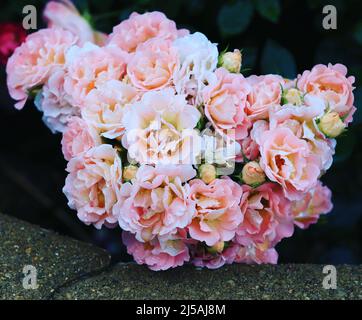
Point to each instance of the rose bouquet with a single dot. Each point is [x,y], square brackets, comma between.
[167,140]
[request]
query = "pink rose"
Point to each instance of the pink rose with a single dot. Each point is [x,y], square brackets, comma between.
[332,85]
[54,103]
[139,28]
[159,129]
[12,35]
[316,202]
[33,62]
[259,254]
[65,15]
[225,101]
[157,202]
[91,185]
[153,65]
[106,105]
[202,258]
[153,255]
[266,92]
[249,148]
[267,216]
[302,121]
[218,211]
[288,160]
[78,137]
[89,67]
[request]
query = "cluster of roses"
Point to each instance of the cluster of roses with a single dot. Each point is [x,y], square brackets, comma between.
[168,140]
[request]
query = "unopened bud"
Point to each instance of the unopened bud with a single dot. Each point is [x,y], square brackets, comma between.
[217,247]
[253,174]
[207,173]
[331,124]
[129,172]
[231,61]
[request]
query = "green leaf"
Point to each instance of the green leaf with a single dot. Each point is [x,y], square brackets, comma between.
[235,18]
[278,60]
[269,9]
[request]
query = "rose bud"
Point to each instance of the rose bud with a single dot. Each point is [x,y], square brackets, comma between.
[331,124]
[231,61]
[293,96]
[217,247]
[207,173]
[129,172]
[253,174]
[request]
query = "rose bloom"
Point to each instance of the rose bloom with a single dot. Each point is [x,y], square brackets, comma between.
[153,65]
[332,85]
[65,15]
[302,121]
[139,28]
[105,107]
[53,102]
[157,202]
[154,255]
[249,148]
[91,185]
[266,92]
[288,160]
[89,67]
[11,36]
[225,101]
[160,129]
[78,137]
[218,211]
[267,216]
[198,61]
[316,202]
[203,258]
[33,62]
[251,253]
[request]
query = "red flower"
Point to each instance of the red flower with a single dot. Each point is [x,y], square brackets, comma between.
[11,36]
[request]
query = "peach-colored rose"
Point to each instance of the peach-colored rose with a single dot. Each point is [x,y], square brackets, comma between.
[316,202]
[302,121]
[249,148]
[78,137]
[65,15]
[53,102]
[154,255]
[89,67]
[139,28]
[266,92]
[252,253]
[153,65]
[225,101]
[160,129]
[267,216]
[288,160]
[157,202]
[203,258]
[105,107]
[332,85]
[33,62]
[91,185]
[218,211]
[198,61]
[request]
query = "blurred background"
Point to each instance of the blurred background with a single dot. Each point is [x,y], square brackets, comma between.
[275,36]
